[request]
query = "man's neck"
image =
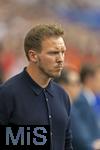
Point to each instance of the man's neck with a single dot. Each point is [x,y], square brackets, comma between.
[40,79]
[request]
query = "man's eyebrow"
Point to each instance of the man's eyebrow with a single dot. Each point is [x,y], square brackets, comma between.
[55,50]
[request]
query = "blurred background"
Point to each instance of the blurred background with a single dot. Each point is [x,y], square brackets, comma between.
[80,19]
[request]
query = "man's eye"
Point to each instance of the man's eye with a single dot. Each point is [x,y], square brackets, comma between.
[54,53]
[63,52]
[57,53]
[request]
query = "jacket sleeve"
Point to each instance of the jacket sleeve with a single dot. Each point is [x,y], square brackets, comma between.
[68,134]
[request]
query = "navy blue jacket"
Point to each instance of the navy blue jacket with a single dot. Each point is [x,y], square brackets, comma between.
[85,130]
[24,102]
[81,136]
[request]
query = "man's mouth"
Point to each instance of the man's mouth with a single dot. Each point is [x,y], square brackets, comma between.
[59,67]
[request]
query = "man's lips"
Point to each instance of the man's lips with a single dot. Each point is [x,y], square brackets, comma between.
[59,67]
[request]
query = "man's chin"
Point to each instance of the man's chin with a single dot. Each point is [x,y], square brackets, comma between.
[56,75]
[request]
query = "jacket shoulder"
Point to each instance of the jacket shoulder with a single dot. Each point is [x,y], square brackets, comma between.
[8,86]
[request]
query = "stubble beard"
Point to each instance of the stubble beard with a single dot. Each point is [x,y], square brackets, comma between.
[48,73]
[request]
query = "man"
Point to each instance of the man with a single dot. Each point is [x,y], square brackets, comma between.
[32,97]
[81,130]
[90,79]
[70,81]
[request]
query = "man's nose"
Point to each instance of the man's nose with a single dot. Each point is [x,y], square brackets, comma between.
[60,57]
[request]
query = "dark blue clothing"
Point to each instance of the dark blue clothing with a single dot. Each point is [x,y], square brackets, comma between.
[88,116]
[85,130]
[96,108]
[81,136]
[24,102]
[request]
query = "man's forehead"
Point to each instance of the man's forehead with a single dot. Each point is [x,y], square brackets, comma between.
[55,41]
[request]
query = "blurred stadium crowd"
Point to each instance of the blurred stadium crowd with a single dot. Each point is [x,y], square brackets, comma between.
[80,20]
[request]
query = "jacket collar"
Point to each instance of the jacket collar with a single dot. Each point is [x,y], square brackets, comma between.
[35,87]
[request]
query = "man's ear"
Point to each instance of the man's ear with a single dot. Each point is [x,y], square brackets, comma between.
[32,56]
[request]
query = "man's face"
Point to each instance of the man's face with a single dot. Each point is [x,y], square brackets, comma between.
[50,60]
[74,86]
